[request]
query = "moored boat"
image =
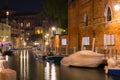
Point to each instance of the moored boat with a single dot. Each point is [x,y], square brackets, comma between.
[113,67]
[114,71]
[84,58]
[54,58]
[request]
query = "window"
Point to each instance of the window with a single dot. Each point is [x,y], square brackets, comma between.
[86,41]
[109,39]
[109,14]
[21,24]
[28,24]
[86,20]
[64,42]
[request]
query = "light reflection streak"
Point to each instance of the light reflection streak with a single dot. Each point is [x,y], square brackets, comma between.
[53,72]
[21,59]
[6,58]
[50,71]
[47,73]
[24,65]
[27,64]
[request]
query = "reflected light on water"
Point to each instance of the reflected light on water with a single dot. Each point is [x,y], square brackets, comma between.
[6,58]
[28,68]
[50,72]
[24,65]
[53,72]
[47,73]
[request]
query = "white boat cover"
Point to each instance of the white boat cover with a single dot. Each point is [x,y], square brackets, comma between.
[84,58]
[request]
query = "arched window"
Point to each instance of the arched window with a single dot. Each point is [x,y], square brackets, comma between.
[109,18]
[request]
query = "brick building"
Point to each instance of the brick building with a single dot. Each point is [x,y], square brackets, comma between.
[93,21]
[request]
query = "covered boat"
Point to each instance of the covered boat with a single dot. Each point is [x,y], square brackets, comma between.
[113,67]
[84,58]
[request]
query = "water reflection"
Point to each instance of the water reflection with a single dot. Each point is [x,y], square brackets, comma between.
[28,68]
[24,65]
[82,74]
[53,72]
[47,72]
[6,57]
[50,71]
[115,78]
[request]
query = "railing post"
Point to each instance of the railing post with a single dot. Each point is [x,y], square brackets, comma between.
[116,54]
[74,49]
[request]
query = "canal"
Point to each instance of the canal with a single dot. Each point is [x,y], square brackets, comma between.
[30,68]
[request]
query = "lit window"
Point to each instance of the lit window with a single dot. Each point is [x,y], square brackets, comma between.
[86,40]
[28,24]
[109,39]
[28,33]
[64,41]
[21,24]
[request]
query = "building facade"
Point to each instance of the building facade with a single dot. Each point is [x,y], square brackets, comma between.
[24,26]
[93,24]
[27,28]
[5,33]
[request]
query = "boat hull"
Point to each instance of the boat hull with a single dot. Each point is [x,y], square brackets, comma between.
[114,71]
[54,58]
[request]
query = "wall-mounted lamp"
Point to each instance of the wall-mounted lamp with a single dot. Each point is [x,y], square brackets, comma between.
[117,7]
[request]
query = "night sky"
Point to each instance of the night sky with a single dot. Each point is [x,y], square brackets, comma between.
[22,5]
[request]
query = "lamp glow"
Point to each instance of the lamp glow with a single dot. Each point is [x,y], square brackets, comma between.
[7,13]
[53,28]
[117,7]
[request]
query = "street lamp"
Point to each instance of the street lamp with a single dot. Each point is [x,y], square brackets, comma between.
[7,14]
[53,28]
[53,31]
[53,36]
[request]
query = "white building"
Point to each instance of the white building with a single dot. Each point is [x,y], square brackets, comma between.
[5,33]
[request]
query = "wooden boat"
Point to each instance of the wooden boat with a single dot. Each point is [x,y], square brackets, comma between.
[56,59]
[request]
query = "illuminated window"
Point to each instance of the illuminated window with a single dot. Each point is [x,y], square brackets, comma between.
[28,33]
[109,39]
[86,40]
[39,31]
[28,24]
[64,42]
[21,24]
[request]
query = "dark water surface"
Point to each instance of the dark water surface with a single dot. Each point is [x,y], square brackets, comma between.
[28,68]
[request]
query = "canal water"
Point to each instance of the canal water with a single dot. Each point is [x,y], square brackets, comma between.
[30,68]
